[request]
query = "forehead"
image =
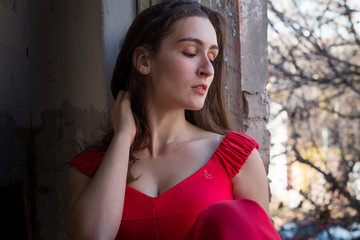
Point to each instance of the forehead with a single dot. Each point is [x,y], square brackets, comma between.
[194,27]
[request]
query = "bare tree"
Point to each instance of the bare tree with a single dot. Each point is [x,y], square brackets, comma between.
[314,65]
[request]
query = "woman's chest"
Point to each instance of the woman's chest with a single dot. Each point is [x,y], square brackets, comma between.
[157,175]
[171,214]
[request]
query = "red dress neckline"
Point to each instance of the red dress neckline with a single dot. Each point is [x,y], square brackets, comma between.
[184,181]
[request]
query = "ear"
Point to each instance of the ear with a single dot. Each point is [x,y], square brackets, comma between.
[141,60]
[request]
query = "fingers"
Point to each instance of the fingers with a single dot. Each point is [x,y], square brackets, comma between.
[119,102]
[122,103]
[121,114]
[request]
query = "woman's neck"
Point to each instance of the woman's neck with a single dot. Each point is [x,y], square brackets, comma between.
[168,127]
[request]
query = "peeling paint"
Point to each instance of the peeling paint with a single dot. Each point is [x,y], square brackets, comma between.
[228,11]
[254,56]
[225,58]
[233,29]
[64,133]
[218,3]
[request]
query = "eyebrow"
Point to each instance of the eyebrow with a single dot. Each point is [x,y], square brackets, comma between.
[197,41]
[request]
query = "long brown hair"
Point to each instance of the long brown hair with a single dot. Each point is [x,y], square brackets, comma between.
[148,30]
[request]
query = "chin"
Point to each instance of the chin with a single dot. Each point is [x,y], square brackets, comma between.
[195,108]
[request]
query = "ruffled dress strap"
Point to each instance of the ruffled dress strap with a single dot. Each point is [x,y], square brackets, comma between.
[234,150]
[88,162]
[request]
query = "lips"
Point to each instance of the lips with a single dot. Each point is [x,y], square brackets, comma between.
[200,89]
[201,86]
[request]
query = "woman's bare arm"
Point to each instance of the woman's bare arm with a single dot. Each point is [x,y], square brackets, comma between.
[251,182]
[96,204]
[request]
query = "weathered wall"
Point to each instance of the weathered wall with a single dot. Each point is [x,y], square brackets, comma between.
[53,93]
[66,100]
[56,58]
[253,32]
[247,99]
[232,68]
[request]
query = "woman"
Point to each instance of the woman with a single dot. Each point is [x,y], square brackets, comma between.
[171,163]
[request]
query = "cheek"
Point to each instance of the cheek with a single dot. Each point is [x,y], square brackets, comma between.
[211,82]
[173,69]
[163,67]
[175,66]
[172,72]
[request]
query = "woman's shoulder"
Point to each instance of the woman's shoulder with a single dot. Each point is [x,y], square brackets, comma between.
[234,150]
[88,162]
[240,140]
[234,138]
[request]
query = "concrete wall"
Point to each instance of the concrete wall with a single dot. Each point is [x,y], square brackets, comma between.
[247,99]
[54,96]
[56,58]
[253,32]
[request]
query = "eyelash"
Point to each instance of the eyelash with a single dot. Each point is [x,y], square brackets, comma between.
[191,55]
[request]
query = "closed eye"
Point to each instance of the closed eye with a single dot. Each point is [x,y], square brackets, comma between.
[212,56]
[189,54]
[212,60]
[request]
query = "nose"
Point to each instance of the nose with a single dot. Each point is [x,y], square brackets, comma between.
[206,68]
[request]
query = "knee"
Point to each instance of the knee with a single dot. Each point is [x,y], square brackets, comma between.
[224,211]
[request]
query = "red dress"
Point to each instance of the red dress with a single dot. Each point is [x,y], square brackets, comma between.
[176,212]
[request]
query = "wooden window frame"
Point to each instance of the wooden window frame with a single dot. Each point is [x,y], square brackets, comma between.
[143,4]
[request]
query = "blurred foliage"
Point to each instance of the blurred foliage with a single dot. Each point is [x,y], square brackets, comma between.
[314,73]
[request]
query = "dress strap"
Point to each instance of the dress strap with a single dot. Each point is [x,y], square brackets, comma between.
[234,150]
[88,162]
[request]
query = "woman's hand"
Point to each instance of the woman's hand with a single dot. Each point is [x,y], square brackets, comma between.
[121,116]
[105,191]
